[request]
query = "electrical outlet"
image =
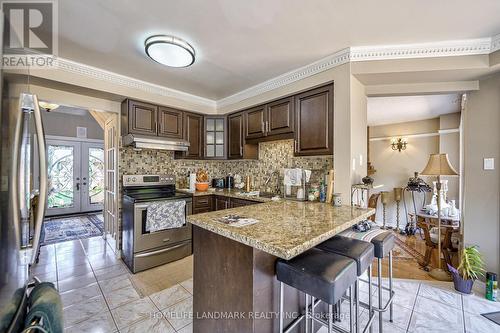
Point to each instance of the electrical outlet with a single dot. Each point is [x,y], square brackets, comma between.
[489,163]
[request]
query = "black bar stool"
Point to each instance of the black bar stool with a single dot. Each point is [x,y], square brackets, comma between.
[322,275]
[383,242]
[363,254]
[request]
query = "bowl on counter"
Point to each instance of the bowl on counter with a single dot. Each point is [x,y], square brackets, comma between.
[201,187]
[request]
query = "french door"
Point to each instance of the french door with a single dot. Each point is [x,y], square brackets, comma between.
[76,177]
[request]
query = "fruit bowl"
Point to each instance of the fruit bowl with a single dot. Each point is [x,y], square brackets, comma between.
[201,186]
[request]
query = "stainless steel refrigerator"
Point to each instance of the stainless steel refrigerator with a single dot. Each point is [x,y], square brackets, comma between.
[22,207]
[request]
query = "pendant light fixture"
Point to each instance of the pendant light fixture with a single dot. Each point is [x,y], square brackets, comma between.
[169,51]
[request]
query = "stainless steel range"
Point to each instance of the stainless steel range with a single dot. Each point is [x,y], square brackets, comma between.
[143,249]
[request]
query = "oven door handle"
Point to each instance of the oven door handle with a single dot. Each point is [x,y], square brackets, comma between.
[149,254]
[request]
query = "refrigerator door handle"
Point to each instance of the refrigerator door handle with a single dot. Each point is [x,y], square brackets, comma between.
[14,193]
[43,193]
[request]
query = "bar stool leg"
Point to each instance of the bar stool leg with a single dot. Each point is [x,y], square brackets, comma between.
[356,299]
[351,310]
[307,313]
[330,318]
[391,311]
[379,268]
[313,300]
[370,306]
[281,308]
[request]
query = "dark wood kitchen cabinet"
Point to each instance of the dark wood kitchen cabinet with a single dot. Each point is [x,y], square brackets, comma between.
[221,202]
[170,123]
[139,118]
[255,120]
[241,202]
[235,135]
[271,119]
[193,132]
[151,120]
[202,204]
[314,122]
[237,147]
[280,116]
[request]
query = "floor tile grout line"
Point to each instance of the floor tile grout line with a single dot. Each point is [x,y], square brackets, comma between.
[463,313]
[102,293]
[413,308]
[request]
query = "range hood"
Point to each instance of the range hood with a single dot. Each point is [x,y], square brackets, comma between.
[150,142]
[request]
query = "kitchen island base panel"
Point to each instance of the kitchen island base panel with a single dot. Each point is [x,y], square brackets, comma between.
[232,279]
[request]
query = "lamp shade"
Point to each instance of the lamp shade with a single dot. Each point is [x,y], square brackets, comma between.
[438,165]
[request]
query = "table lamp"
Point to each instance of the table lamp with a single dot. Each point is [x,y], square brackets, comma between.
[385,200]
[398,194]
[439,165]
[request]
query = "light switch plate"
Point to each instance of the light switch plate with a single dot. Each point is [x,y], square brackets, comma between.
[489,164]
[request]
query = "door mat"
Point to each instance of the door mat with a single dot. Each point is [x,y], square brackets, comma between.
[61,229]
[493,316]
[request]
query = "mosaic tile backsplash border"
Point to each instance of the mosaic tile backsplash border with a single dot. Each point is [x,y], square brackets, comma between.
[273,156]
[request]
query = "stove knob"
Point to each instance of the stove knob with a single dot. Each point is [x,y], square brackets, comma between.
[133,179]
[127,179]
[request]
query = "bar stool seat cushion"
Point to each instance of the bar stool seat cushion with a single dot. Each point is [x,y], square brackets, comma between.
[360,251]
[323,275]
[384,243]
[382,240]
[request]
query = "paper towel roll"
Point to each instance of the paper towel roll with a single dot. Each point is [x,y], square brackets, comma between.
[192,182]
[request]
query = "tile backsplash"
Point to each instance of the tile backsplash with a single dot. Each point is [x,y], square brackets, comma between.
[273,156]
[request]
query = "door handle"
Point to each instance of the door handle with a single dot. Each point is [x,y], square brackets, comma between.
[14,193]
[42,162]
[78,186]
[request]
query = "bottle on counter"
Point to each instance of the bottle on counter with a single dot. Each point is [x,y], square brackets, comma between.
[491,286]
[322,192]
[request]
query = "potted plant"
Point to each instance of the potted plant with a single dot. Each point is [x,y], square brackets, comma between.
[470,268]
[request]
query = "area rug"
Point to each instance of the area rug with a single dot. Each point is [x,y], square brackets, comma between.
[63,229]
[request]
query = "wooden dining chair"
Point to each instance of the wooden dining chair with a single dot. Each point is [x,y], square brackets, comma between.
[372,203]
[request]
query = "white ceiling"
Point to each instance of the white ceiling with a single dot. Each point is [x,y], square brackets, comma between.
[400,109]
[241,43]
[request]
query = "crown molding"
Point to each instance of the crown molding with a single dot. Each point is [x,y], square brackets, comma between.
[480,46]
[495,43]
[128,82]
[334,60]
[422,50]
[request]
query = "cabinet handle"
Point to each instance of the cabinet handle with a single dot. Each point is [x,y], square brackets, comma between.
[263,127]
[241,150]
[267,126]
[295,143]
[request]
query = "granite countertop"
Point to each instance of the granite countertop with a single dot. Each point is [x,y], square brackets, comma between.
[285,228]
[232,193]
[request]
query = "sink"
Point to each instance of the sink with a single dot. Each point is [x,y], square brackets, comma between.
[258,194]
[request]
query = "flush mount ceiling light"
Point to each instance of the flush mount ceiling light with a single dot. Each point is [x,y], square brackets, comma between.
[169,51]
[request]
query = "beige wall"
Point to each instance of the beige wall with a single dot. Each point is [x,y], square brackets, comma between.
[358,131]
[394,168]
[64,124]
[482,188]
[449,143]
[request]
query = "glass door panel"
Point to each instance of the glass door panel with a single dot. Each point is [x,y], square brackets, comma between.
[92,176]
[63,159]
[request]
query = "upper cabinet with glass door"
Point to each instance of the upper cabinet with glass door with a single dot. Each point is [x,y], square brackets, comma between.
[215,137]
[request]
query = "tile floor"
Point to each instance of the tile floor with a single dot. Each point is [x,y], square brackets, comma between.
[98,295]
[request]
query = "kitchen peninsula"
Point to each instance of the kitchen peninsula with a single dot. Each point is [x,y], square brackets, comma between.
[234,266]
